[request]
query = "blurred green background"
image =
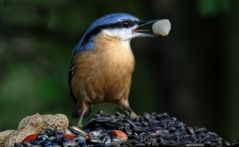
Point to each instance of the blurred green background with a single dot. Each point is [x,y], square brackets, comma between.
[192,74]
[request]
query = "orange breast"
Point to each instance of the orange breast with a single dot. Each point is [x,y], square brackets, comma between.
[104,74]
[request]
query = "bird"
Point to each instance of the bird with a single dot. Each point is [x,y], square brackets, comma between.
[103,62]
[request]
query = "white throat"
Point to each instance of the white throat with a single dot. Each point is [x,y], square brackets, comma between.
[125,34]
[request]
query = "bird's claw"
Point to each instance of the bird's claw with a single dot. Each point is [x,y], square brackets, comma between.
[133,115]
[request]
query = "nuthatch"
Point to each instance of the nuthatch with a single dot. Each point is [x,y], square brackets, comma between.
[102,62]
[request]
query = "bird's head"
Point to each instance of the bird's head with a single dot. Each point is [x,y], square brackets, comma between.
[121,25]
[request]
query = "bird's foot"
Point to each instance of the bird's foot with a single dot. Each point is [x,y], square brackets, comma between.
[131,113]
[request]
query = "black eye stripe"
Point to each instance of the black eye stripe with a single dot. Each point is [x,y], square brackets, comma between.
[128,23]
[113,25]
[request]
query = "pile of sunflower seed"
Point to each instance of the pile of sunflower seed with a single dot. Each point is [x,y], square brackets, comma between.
[156,129]
[150,130]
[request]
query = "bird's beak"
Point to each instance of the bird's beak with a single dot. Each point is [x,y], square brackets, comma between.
[144,28]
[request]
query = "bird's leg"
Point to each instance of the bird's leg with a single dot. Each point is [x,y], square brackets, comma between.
[80,120]
[126,107]
[85,105]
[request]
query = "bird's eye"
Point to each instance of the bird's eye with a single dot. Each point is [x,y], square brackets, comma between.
[127,24]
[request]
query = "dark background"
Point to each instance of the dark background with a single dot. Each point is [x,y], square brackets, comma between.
[192,74]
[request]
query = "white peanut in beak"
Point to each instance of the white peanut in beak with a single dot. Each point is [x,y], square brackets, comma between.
[161,27]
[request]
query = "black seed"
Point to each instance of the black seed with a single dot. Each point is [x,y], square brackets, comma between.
[207,142]
[195,144]
[189,130]
[17,145]
[160,125]
[171,129]
[145,123]
[151,129]
[139,144]
[127,129]
[131,122]
[186,141]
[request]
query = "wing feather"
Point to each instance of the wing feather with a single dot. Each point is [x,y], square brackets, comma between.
[70,75]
